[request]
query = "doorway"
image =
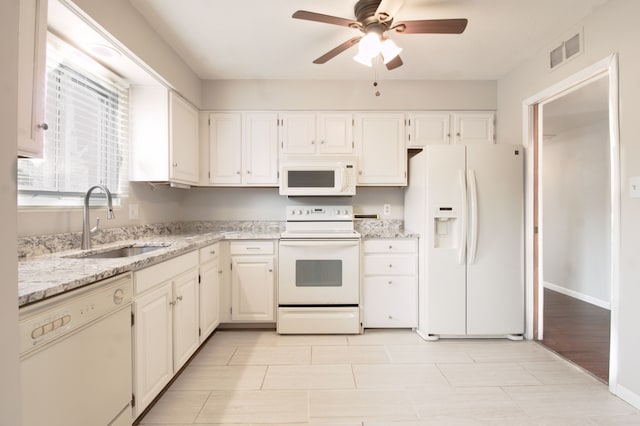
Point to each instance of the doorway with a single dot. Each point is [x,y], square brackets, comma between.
[562,184]
[574,185]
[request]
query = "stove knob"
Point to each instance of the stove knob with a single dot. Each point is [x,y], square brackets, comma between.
[344,212]
[337,211]
[299,211]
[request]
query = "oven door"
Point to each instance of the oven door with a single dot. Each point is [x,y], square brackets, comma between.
[318,272]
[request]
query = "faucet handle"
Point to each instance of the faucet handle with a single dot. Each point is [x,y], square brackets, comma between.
[95,228]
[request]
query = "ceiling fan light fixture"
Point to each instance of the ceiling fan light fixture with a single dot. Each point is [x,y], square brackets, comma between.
[389,50]
[363,59]
[369,45]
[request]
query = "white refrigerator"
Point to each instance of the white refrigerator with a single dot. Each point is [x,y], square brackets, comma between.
[466,202]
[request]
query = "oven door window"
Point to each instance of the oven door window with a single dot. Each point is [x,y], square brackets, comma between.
[318,273]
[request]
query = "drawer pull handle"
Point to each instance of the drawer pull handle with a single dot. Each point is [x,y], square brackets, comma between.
[390,317]
[212,252]
[270,270]
[179,298]
[253,248]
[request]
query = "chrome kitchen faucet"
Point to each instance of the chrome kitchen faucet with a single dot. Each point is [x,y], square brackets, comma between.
[86,232]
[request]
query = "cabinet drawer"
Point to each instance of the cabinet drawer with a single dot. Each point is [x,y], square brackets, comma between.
[147,278]
[390,246]
[390,264]
[251,247]
[209,252]
[390,302]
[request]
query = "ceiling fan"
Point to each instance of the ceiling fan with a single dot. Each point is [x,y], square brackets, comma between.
[374,18]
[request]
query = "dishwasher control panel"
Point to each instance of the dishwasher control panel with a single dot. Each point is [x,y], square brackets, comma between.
[55,317]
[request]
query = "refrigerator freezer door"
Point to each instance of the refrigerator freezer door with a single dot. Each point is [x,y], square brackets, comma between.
[495,291]
[445,274]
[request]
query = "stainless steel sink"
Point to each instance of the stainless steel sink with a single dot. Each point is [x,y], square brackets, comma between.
[119,252]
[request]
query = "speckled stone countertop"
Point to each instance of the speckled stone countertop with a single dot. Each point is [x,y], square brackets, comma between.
[50,265]
[45,275]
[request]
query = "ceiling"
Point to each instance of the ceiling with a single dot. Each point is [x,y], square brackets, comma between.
[258,39]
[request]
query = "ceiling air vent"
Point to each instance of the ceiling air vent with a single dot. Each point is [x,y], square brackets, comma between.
[566,50]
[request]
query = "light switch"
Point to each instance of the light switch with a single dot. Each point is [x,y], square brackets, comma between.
[634,186]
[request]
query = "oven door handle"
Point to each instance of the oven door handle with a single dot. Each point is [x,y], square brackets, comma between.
[307,243]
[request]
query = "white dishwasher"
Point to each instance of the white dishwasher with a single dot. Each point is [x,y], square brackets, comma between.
[75,356]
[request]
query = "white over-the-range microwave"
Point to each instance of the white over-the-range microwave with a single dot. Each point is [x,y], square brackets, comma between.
[318,176]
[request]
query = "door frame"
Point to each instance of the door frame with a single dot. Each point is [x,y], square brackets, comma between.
[532,138]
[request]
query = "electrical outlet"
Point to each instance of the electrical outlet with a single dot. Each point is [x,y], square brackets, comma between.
[386,209]
[133,211]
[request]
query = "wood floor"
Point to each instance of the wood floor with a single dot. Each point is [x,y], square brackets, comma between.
[578,331]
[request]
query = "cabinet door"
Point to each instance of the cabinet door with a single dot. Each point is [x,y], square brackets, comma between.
[186,320]
[252,288]
[473,128]
[298,133]
[32,46]
[209,297]
[390,301]
[225,148]
[260,145]
[335,133]
[380,146]
[183,140]
[152,344]
[428,128]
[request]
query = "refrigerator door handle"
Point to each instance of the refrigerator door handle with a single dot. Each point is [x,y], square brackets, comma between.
[473,222]
[462,243]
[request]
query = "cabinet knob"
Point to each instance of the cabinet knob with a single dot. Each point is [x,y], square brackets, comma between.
[270,270]
[175,164]
[179,298]
[321,142]
[212,252]
[313,142]
[390,283]
[220,272]
[172,303]
[390,247]
[390,265]
[390,317]
[359,172]
[248,172]
[238,172]
[43,126]
[458,134]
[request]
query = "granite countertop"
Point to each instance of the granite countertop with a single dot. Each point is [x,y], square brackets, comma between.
[51,274]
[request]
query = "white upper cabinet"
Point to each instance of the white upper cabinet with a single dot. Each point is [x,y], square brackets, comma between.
[183,140]
[260,149]
[164,136]
[243,149]
[225,148]
[380,147]
[312,133]
[473,127]
[32,45]
[444,127]
[298,133]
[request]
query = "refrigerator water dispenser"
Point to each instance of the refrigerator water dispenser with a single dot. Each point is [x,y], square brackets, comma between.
[445,228]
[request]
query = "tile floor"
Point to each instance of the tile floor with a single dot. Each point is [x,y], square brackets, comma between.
[382,377]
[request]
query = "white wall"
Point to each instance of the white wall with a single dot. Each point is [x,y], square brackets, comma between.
[347,95]
[576,212]
[9,371]
[120,19]
[155,204]
[613,27]
[267,204]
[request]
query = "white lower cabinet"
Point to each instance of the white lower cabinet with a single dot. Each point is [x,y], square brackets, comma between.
[252,281]
[210,273]
[390,284]
[165,324]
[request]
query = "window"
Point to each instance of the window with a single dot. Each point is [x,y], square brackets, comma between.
[86,142]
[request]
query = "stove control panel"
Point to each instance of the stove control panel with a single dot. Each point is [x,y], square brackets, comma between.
[319,213]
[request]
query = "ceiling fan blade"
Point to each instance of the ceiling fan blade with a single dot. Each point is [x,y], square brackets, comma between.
[337,50]
[327,19]
[431,26]
[394,63]
[387,9]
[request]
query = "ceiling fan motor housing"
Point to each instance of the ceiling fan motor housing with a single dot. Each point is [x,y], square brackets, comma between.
[365,11]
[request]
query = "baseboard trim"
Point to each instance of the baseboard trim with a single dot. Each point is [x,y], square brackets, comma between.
[628,395]
[577,295]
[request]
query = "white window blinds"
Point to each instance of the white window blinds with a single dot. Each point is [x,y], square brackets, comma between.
[86,142]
